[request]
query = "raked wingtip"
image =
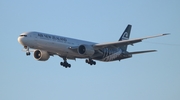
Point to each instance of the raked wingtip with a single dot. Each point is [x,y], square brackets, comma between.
[166,34]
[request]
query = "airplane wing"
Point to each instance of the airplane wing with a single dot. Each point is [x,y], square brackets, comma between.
[124,42]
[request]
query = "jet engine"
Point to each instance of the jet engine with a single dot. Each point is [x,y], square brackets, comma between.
[86,50]
[41,55]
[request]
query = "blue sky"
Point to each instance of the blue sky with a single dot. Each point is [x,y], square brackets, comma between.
[152,76]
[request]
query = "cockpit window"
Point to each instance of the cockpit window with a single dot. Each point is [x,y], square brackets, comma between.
[23,35]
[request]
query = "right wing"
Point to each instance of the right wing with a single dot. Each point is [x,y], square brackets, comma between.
[124,42]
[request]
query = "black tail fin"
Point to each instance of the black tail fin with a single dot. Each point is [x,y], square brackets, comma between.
[125,36]
[126,33]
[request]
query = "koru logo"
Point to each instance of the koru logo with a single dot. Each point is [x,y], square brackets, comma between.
[125,36]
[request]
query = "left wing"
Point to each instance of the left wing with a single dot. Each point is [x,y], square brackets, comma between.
[124,42]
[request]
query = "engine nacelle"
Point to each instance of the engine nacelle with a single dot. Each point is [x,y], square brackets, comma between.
[41,55]
[86,50]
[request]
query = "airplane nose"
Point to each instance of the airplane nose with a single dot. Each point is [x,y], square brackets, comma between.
[20,40]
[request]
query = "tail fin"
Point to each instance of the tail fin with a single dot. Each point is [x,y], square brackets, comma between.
[126,33]
[125,36]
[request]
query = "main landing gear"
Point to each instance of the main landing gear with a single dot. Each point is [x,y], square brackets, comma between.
[65,63]
[27,51]
[90,61]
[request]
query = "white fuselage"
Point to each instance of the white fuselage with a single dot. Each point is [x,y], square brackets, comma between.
[55,44]
[68,47]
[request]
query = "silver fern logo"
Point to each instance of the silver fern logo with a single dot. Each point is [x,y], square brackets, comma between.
[109,55]
[125,36]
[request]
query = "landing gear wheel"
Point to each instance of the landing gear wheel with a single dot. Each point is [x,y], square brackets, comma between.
[87,61]
[69,65]
[61,64]
[94,62]
[28,53]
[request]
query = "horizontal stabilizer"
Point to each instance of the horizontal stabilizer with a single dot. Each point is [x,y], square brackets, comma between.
[138,52]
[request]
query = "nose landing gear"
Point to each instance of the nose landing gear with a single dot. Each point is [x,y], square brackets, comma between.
[27,51]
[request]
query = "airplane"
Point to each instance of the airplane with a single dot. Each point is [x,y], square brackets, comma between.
[46,45]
